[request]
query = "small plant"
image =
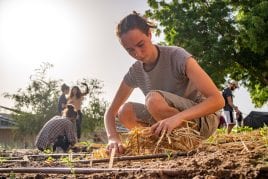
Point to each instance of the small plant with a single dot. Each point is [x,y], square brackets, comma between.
[169,154]
[213,139]
[12,175]
[2,160]
[242,129]
[264,134]
[221,130]
[84,146]
[68,162]
[48,151]
[49,160]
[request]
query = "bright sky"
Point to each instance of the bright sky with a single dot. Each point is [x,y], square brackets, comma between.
[77,37]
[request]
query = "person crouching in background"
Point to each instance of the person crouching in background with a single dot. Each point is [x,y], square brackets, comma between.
[58,131]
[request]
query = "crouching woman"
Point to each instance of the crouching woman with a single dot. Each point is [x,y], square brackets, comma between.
[58,131]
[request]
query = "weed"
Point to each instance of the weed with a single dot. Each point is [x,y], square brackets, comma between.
[67,160]
[169,154]
[2,160]
[238,129]
[48,151]
[12,175]
[264,134]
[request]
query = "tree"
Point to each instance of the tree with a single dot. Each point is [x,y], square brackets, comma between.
[39,103]
[38,100]
[228,38]
[94,106]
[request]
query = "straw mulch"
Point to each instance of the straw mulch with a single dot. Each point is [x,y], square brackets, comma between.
[142,141]
[244,142]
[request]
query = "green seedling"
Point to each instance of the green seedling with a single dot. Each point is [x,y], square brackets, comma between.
[50,159]
[264,134]
[242,129]
[12,175]
[68,162]
[2,160]
[48,151]
[169,154]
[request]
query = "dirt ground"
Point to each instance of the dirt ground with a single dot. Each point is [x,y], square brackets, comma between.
[235,159]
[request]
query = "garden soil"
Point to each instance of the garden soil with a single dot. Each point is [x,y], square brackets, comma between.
[236,159]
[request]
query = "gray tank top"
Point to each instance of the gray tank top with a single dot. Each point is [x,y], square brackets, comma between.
[168,74]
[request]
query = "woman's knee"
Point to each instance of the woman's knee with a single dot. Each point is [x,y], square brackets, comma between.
[125,111]
[154,101]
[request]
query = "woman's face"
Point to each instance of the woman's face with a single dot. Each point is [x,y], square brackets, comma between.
[74,91]
[138,45]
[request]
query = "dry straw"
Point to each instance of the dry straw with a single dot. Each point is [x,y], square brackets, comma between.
[250,141]
[142,141]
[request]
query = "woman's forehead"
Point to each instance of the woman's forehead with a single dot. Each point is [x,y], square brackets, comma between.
[132,38]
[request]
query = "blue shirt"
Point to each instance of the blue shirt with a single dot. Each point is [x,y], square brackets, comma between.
[62,100]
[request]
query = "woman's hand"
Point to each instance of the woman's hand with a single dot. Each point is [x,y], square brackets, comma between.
[166,125]
[116,145]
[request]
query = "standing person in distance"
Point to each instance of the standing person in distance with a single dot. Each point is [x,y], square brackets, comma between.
[76,98]
[176,88]
[59,131]
[62,101]
[229,106]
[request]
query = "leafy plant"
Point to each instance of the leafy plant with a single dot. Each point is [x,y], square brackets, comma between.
[68,162]
[238,129]
[39,104]
[228,38]
[12,175]
[48,151]
[264,134]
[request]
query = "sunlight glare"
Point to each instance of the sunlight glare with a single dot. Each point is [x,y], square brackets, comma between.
[35,31]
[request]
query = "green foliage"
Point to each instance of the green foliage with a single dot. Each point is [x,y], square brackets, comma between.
[48,151]
[264,134]
[228,38]
[67,161]
[50,160]
[39,101]
[238,129]
[12,175]
[2,159]
[87,144]
[93,113]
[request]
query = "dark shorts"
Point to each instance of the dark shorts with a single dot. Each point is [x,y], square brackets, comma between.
[207,125]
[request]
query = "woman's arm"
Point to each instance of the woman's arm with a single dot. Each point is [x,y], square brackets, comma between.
[230,102]
[213,102]
[87,89]
[121,96]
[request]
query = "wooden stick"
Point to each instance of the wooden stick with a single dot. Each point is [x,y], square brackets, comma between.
[112,158]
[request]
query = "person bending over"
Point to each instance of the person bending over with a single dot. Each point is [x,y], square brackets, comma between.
[58,131]
[176,88]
